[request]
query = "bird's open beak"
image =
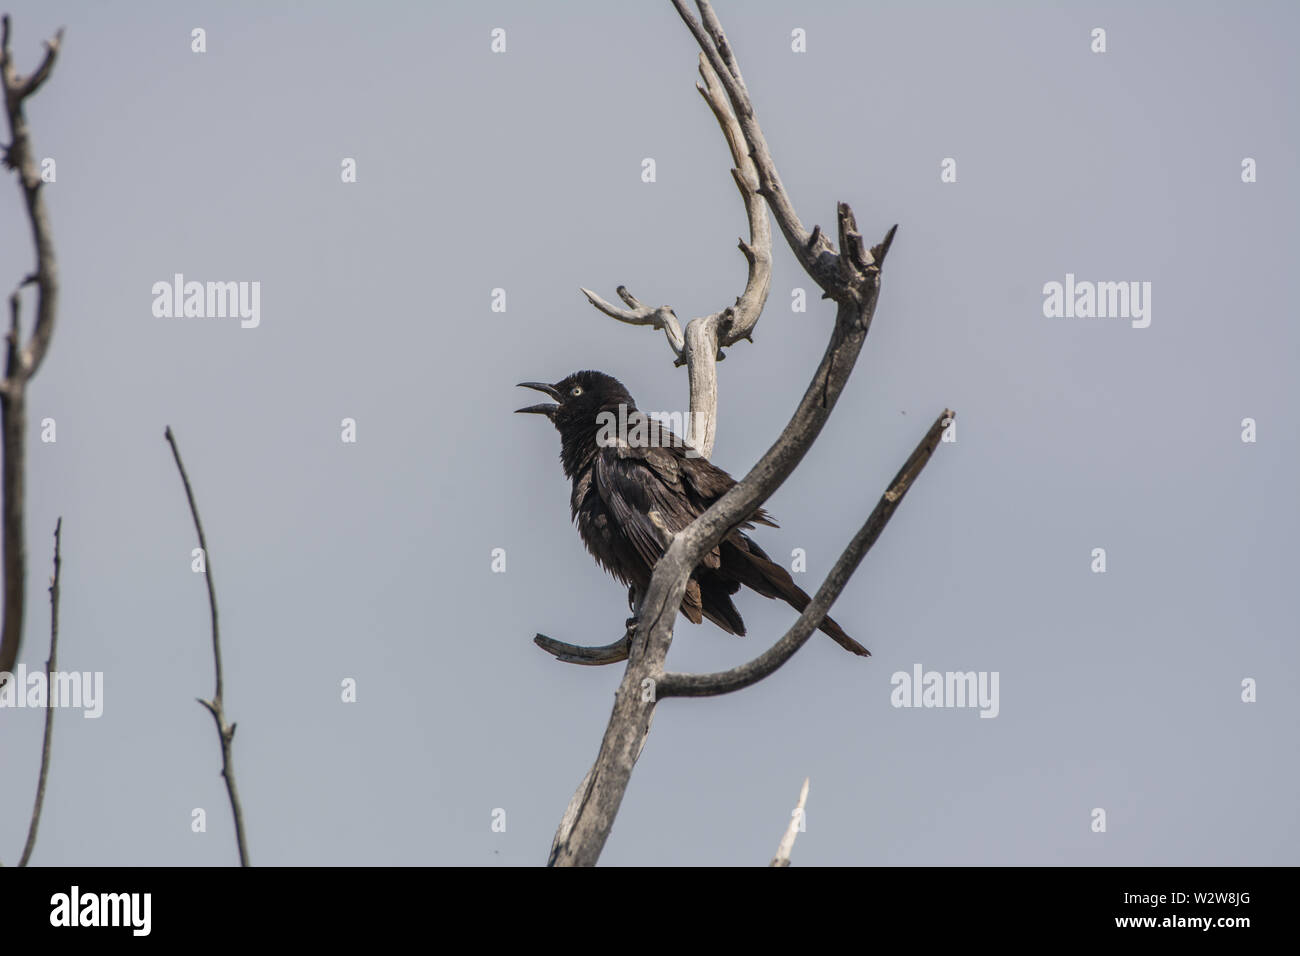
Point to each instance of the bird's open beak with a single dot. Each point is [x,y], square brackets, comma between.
[546,408]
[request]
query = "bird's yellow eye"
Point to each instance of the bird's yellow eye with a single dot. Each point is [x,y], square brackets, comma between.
[575,391]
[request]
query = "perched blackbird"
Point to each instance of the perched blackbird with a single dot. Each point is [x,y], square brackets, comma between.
[633,489]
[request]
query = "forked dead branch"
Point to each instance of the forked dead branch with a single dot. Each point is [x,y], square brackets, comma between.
[21,364]
[22,361]
[849,276]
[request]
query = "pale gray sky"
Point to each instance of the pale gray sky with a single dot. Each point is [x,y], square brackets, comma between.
[522,171]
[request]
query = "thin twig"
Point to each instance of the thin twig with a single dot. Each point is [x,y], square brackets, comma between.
[224,730]
[50,664]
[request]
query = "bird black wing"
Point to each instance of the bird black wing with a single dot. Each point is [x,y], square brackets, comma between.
[647,498]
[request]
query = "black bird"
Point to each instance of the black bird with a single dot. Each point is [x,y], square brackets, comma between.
[631,495]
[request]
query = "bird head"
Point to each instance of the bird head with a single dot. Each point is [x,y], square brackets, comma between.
[579,399]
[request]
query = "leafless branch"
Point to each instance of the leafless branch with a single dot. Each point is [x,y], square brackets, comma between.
[22,362]
[813,250]
[579,654]
[50,665]
[661,317]
[19,157]
[725,682]
[560,845]
[214,706]
[738,321]
[576,803]
[783,848]
[700,347]
[852,279]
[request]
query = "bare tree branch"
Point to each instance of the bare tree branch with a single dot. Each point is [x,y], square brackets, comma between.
[700,348]
[21,361]
[51,664]
[725,682]
[224,730]
[661,317]
[579,654]
[813,250]
[19,157]
[560,844]
[783,848]
[852,279]
[739,320]
[570,815]
[701,355]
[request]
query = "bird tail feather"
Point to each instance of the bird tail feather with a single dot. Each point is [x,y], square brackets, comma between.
[753,568]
